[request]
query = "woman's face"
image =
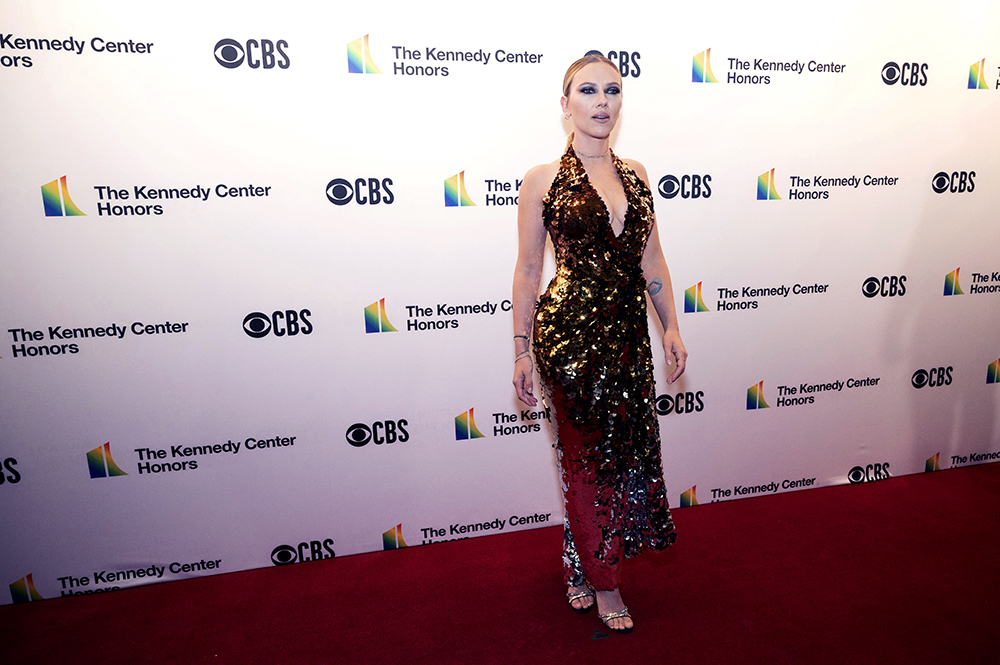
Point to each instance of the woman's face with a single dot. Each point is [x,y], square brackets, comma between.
[595,100]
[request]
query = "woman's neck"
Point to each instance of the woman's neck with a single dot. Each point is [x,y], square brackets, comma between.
[589,148]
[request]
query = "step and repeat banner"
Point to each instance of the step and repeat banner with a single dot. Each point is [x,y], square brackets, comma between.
[256,265]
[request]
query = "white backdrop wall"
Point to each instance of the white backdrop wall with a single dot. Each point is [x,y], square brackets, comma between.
[197,389]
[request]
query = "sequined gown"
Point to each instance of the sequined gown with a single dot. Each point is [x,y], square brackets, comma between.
[593,356]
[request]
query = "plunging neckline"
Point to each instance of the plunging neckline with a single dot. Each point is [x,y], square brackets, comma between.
[604,204]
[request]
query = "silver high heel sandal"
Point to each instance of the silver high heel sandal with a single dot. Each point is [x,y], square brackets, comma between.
[579,595]
[611,616]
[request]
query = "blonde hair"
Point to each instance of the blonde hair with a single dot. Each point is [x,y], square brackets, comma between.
[588,59]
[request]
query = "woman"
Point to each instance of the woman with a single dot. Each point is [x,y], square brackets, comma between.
[591,340]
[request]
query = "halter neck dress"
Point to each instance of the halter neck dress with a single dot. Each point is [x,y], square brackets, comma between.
[592,351]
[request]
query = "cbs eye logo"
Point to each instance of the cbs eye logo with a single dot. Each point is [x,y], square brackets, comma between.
[680,403]
[314,550]
[339,191]
[957,182]
[366,191]
[231,54]
[281,323]
[887,287]
[869,473]
[282,555]
[688,186]
[387,431]
[936,376]
[911,73]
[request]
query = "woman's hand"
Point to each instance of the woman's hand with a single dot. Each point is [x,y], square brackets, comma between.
[523,381]
[673,349]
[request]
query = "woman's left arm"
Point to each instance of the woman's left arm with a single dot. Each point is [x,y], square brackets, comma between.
[661,292]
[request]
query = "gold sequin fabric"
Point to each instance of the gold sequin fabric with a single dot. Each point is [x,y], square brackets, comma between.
[592,351]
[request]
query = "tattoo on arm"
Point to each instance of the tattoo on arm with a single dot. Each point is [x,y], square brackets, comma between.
[654,286]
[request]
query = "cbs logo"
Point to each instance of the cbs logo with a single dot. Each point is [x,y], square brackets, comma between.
[231,54]
[688,186]
[365,191]
[681,403]
[887,287]
[628,63]
[957,182]
[936,376]
[387,431]
[869,473]
[314,550]
[281,323]
[911,73]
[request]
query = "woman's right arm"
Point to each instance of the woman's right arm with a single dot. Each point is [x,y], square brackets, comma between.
[528,274]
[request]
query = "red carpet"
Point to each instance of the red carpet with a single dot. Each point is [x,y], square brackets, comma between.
[905,570]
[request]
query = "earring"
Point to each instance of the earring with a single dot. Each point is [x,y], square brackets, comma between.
[566,115]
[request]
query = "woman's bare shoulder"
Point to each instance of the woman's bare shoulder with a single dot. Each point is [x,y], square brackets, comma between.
[539,178]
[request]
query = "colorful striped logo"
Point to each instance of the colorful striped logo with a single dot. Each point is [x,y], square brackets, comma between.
[932,463]
[55,198]
[359,57]
[375,319]
[992,371]
[701,68]
[24,591]
[688,497]
[693,301]
[454,192]
[393,538]
[755,397]
[465,426]
[101,464]
[951,285]
[765,187]
[977,80]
